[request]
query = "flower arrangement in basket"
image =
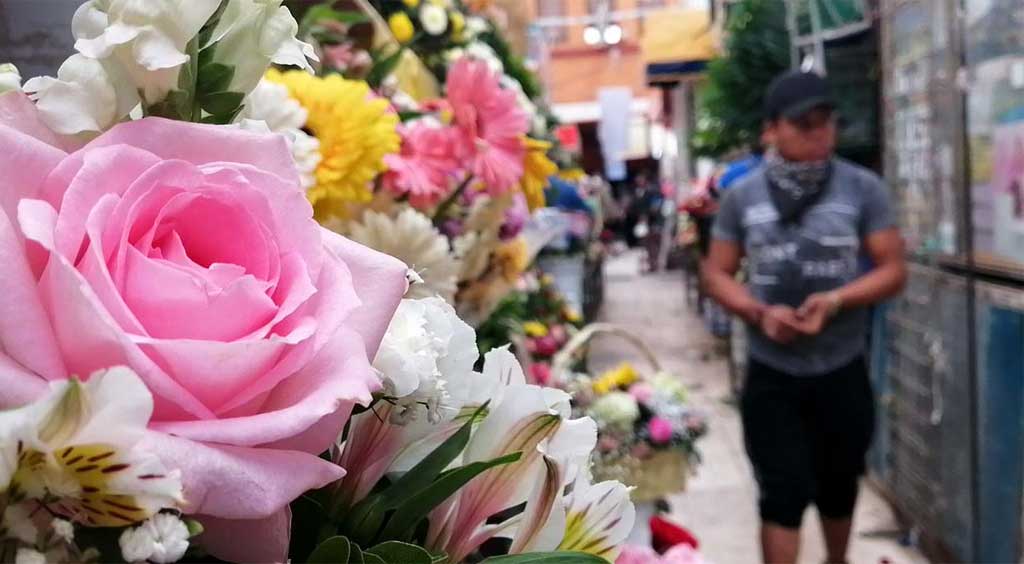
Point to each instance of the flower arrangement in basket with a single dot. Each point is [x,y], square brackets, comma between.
[647,429]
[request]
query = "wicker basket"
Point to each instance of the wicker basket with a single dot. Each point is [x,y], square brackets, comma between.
[664,472]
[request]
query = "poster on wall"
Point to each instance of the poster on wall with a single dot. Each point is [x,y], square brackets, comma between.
[995,117]
[921,137]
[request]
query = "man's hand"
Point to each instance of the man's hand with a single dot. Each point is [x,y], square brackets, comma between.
[816,311]
[780,324]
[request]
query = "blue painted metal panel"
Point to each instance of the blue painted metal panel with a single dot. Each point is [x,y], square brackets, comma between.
[1000,332]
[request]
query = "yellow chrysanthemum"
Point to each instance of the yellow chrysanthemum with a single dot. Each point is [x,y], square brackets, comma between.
[537,167]
[411,3]
[401,27]
[571,315]
[535,329]
[356,130]
[458,24]
[511,259]
[574,174]
[615,379]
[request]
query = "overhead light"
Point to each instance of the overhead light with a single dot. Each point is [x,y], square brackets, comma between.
[591,35]
[612,34]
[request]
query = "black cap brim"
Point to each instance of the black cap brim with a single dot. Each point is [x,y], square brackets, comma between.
[801,108]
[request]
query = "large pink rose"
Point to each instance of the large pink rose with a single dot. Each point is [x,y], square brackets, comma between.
[189,253]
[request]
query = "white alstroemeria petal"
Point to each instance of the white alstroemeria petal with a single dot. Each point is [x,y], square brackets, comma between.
[542,524]
[600,518]
[121,408]
[77,444]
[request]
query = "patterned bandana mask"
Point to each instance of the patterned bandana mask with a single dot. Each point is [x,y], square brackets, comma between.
[795,186]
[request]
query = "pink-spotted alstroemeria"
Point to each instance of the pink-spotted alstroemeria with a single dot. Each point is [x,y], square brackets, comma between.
[74,449]
[530,420]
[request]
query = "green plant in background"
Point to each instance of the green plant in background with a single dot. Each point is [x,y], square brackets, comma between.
[729,105]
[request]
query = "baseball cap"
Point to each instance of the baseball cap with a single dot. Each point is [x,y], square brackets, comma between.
[795,93]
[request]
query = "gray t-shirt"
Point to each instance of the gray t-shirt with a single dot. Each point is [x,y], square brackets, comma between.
[820,252]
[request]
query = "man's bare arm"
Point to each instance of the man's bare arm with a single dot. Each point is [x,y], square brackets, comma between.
[718,273]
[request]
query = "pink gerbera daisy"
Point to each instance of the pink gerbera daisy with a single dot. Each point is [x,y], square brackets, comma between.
[490,124]
[426,166]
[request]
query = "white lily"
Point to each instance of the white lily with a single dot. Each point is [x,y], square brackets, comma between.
[74,450]
[252,34]
[535,422]
[86,97]
[10,78]
[145,40]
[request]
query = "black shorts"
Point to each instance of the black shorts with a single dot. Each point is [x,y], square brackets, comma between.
[807,438]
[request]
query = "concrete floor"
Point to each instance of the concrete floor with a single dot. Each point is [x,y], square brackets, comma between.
[720,504]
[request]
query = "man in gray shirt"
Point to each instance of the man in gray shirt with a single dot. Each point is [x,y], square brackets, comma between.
[803,220]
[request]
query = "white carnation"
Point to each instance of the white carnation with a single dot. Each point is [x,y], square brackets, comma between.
[161,538]
[434,18]
[425,356]
[270,102]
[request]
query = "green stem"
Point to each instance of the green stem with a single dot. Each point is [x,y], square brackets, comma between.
[442,210]
[193,63]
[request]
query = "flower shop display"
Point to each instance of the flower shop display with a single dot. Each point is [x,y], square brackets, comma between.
[647,428]
[194,368]
[537,319]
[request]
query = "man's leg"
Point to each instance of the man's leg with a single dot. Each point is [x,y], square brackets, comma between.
[780,453]
[846,423]
[779,545]
[837,538]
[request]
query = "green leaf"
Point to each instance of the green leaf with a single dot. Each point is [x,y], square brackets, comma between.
[547,558]
[220,103]
[365,520]
[332,551]
[370,558]
[418,506]
[326,12]
[382,68]
[223,119]
[206,32]
[175,106]
[394,552]
[409,115]
[214,77]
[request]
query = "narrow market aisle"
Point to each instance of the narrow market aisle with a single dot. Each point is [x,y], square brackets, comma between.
[720,505]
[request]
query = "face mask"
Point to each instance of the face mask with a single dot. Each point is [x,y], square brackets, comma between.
[795,186]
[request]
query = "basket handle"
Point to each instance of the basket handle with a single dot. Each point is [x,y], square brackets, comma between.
[563,359]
